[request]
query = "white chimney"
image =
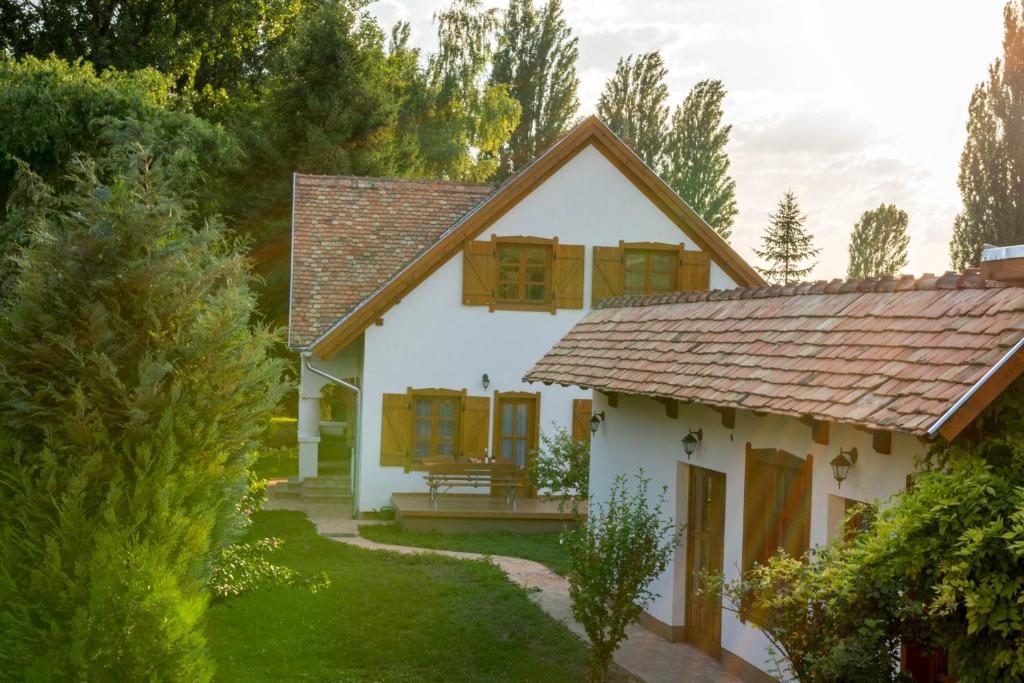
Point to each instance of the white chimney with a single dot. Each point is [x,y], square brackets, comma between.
[1005,264]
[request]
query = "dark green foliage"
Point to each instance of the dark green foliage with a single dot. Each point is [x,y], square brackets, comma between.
[562,468]
[545,547]
[132,387]
[536,59]
[203,47]
[53,110]
[991,183]
[387,617]
[878,245]
[939,565]
[785,245]
[634,105]
[614,554]
[696,165]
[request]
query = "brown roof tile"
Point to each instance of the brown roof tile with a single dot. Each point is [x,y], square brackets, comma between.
[892,353]
[350,235]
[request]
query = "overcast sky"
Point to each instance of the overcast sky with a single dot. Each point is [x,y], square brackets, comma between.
[849,104]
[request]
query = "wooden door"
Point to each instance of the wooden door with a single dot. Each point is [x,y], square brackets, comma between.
[705,535]
[516,432]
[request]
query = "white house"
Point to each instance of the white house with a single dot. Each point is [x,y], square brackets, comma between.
[769,387]
[430,300]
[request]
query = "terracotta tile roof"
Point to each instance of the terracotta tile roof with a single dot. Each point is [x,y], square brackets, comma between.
[350,235]
[893,354]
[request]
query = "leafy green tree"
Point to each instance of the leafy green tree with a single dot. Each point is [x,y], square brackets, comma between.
[634,105]
[614,554]
[785,245]
[133,386]
[696,164]
[469,119]
[536,59]
[991,184]
[202,47]
[878,245]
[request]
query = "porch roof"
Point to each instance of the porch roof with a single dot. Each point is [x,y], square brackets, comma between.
[922,356]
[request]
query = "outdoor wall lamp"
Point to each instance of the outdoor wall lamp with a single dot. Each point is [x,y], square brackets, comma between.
[691,440]
[486,380]
[595,421]
[841,465]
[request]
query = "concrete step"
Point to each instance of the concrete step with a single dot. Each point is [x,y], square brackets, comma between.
[327,498]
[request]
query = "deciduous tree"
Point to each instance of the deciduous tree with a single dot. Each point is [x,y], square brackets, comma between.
[785,246]
[696,163]
[634,105]
[991,176]
[878,245]
[536,59]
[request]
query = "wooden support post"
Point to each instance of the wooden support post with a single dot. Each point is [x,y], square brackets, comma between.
[881,441]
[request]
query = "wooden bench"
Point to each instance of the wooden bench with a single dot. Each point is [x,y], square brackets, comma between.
[442,477]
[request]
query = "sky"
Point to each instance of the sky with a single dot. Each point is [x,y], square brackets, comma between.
[848,104]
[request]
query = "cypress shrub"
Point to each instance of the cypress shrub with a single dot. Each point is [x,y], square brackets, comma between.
[133,387]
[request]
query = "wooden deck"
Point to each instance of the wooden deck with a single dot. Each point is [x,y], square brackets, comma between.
[466,512]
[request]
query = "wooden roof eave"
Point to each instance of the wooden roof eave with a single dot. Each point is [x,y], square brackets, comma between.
[591,131]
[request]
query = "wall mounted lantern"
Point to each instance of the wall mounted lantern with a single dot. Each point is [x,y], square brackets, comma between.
[841,465]
[486,381]
[595,421]
[691,440]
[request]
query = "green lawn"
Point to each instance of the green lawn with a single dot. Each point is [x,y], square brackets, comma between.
[386,617]
[277,464]
[544,548]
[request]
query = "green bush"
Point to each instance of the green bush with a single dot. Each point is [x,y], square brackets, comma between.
[614,555]
[562,467]
[133,388]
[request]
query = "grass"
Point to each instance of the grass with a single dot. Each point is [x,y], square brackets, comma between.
[279,463]
[544,548]
[386,617]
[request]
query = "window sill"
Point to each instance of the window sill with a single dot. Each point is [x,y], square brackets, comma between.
[538,307]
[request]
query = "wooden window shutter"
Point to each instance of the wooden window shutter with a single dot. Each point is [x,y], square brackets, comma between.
[694,270]
[476,413]
[478,273]
[568,275]
[581,411]
[395,430]
[607,278]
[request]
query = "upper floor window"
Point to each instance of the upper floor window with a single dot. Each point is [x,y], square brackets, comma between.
[648,271]
[524,273]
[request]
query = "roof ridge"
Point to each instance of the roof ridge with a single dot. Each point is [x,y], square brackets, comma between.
[438,182]
[970,279]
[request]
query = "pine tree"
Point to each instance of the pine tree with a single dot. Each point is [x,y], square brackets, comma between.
[696,165]
[536,59]
[878,245]
[132,387]
[991,179]
[633,105]
[785,245]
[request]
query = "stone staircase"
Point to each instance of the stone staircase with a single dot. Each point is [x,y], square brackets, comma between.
[334,485]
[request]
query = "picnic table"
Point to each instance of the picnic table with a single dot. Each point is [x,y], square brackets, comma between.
[442,477]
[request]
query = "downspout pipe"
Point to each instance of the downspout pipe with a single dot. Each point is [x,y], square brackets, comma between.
[354,472]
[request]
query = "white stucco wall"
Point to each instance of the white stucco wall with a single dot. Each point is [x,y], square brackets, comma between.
[637,433]
[431,340]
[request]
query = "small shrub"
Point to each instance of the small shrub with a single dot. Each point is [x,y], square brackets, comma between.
[614,555]
[562,468]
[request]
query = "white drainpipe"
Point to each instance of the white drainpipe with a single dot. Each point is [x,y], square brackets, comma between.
[354,466]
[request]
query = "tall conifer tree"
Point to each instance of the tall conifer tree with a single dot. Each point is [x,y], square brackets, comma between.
[536,59]
[634,105]
[878,245]
[696,164]
[991,176]
[785,246]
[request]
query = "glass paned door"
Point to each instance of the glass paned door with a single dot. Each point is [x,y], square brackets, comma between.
[705,534]
[517,419]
